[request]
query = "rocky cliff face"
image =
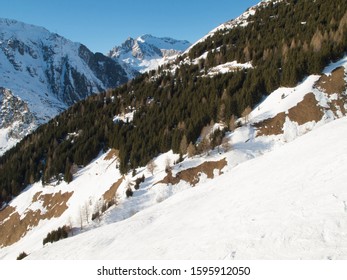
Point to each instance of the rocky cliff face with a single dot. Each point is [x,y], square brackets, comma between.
[16,120]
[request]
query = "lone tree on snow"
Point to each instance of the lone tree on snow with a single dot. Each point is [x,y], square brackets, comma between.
[151,166]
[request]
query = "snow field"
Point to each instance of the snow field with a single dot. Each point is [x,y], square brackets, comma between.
[287,204]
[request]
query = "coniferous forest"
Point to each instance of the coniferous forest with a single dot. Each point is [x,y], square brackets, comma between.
[285,42]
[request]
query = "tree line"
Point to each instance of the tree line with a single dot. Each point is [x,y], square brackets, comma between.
[285,41]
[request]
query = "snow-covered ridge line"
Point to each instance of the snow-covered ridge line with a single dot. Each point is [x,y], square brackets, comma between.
[25,31]
[239,21]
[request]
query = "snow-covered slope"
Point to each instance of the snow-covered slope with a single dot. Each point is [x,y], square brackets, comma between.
[48,72]
[147,52]
[241,21]
[292,206]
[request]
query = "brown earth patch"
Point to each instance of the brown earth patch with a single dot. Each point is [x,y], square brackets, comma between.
[36,196]
[110,194]
[11,230]
[112,154]
[192,175]
[169,179]
[335,83]
[14,228]
[339,104]
[306,111]
[271,126]
[55,204]
[5,213]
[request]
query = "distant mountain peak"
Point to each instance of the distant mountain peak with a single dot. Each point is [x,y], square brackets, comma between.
[147,52]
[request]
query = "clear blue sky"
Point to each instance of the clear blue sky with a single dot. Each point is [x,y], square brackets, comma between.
[102,24]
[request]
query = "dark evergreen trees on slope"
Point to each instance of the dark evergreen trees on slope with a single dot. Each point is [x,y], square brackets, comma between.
[285,41]
[22,256]
[56,235]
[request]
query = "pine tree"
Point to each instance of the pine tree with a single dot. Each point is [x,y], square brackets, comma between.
[245,114]
[68,174]
[129,192]
[191,150]
[183,145]
[151,166]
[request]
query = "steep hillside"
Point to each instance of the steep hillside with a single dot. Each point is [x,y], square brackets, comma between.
[184,97]
[300,213]
[241,21]
[234,96]
[147,53]
[99,194]
[48,73]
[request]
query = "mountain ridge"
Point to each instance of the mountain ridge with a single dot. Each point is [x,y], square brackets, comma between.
[148,52]
[50,73]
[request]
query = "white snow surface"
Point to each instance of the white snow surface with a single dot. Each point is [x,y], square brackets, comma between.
[228,67]
[5,141]
[287,204]
[127,117]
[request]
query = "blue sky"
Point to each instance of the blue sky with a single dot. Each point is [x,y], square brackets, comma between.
[102,24]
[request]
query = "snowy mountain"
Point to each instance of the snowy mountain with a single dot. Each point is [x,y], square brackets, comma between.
[233,151]
[299,213]
[47,73]
[147,52]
